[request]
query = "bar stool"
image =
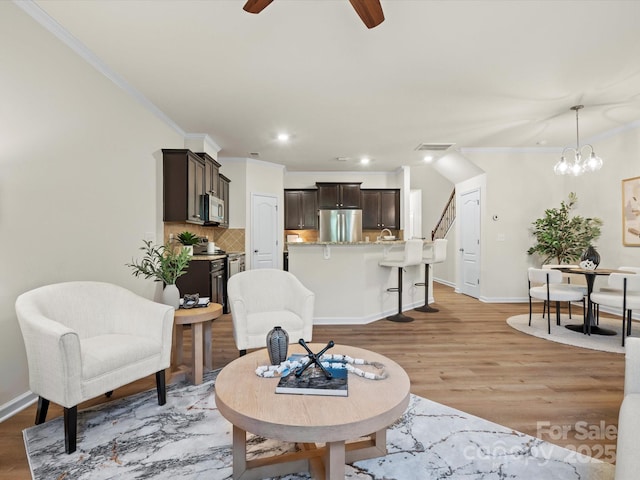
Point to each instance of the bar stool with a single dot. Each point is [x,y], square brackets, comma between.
[411,256]
[436,254]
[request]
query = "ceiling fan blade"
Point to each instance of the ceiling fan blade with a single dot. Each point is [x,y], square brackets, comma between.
[256,6]
[370,11]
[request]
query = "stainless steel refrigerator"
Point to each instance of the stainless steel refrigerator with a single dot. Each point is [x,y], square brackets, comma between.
[340,225]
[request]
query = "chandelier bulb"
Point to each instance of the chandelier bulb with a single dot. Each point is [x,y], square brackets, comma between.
[561,168]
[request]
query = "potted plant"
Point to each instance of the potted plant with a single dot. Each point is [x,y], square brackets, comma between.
[188,240]
[163,263]
[562,237]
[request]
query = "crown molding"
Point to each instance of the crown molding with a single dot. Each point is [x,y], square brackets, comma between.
[34,11]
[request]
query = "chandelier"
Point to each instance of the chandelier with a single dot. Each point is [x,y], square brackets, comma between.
[577,165]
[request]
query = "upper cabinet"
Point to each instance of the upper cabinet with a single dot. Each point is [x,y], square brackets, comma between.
[211,173]
[223,190]
[338,195]
[183,186]
[300,209]
[380,209]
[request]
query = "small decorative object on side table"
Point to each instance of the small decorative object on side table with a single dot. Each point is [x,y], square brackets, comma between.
[190,300]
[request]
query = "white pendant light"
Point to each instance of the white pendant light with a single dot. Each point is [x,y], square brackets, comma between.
[576,165]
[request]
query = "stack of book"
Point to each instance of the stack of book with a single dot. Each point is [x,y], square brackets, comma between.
[314,382]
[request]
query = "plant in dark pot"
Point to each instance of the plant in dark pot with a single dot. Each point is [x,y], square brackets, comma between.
[163,263]
[563,237]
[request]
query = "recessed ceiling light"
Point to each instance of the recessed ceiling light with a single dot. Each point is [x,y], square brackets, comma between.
[283,137]
[365,160]
[428,158]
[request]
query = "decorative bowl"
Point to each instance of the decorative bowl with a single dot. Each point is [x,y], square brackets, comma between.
[388,237]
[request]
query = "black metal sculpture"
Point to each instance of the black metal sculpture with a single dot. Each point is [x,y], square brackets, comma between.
[314,358]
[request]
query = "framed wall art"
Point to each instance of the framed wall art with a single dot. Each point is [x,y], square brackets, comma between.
[631,212]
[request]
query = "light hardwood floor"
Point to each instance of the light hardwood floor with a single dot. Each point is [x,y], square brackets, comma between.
[464,356]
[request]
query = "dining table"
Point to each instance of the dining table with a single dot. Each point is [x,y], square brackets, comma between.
[590,325]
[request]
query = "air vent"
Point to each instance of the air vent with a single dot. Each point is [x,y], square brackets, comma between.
[254,154]
[434,147]
[343,159]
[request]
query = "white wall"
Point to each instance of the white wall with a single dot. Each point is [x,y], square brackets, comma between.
[236,169]
[521,185]
[80,178]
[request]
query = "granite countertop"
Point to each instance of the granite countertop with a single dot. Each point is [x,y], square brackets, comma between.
[378,242]
[208,257]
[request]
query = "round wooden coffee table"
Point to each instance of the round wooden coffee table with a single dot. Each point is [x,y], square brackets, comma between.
[250,403]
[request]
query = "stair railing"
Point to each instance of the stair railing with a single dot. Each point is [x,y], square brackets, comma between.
[446,219]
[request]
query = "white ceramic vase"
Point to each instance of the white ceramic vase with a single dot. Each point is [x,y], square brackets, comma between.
[189,249]
[171,296]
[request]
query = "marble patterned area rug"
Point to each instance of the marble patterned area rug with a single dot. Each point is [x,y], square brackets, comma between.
[561,334]
[134,438]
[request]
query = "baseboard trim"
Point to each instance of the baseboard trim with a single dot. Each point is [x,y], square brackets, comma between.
[366,319]
[16,405]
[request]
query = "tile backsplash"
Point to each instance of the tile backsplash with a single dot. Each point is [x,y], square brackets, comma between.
[228,239]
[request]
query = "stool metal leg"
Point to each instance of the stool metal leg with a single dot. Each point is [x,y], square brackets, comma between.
[399,317]
[426,307]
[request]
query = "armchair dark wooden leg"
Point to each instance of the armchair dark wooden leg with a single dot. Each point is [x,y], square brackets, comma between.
[243,353]
[161,387]
[108,394]
[41,413]
[70,428]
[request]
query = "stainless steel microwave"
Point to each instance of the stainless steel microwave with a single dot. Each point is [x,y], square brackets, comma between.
[213,209]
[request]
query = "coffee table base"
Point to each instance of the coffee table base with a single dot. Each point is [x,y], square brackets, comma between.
[324,463]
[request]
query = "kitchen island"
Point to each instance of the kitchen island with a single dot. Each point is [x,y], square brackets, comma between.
[350,286]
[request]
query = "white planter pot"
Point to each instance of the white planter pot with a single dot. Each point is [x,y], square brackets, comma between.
[171,296]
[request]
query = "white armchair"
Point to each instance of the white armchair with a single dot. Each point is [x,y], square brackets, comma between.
[264,298]
[84,339]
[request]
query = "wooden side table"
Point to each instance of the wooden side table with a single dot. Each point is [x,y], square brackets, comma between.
[200,319]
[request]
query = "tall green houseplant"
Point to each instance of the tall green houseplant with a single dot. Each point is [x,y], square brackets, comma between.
[561,236]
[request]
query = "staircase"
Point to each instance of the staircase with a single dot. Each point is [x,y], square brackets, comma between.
[446,219]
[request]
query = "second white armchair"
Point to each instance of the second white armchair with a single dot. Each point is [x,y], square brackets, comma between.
[261,299]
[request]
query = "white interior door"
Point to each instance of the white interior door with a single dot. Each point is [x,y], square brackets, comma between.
[470,243]
[264,228]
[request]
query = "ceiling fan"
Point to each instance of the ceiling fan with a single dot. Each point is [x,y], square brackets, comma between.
[370,11]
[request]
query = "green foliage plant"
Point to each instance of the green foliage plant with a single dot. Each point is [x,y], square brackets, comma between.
[163,263]
[561,236]
[188,238]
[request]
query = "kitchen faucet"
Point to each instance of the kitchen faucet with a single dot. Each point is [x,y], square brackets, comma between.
[382,233]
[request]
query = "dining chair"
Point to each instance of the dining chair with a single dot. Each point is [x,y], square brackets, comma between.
[624,294]
[567,277]
[548,285]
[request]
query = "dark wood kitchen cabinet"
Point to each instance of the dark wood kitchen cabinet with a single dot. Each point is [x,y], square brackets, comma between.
[224,196]
[380,209]
[338,195]
[183,176]
[211,175]
[300,209]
